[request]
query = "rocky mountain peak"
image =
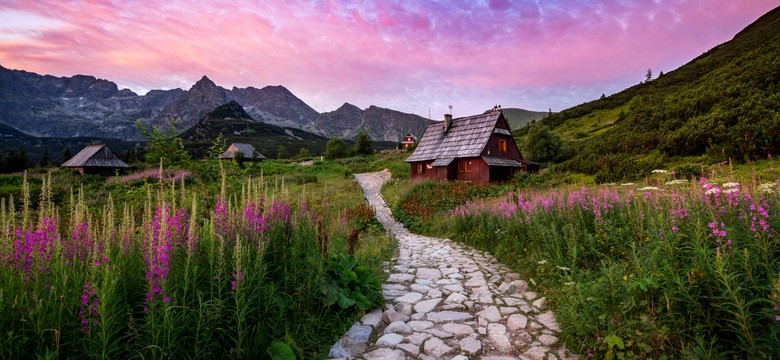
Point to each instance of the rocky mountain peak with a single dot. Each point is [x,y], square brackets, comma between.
[204,83]
[230,110]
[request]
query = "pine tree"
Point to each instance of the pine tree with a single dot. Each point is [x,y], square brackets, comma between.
[66,154]
[364,145]
[282,153]
[45,159]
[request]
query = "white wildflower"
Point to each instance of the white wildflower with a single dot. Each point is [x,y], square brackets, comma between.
[648,188]
[541,262]
[730,191]
[570,283]
[731,185]
[768,188]
[609,184]
[659,171]
[627,184]
[564,268]
[532,281]
[712,191]
[676,182]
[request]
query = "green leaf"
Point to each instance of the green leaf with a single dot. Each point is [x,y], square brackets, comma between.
[280,351]
[613,340]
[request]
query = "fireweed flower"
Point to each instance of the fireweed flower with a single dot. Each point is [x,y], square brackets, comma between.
[161,237]
[89,308]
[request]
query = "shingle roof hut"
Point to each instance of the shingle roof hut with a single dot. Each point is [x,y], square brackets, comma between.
[408,141]
[248,151]
[96,159]
[477,148]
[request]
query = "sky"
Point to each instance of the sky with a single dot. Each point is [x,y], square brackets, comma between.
[415,56]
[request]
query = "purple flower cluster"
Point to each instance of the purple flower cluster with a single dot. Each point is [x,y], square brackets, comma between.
[33,248]
[163,235]
[89,308]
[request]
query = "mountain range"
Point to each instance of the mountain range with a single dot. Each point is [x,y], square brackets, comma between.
[82,105]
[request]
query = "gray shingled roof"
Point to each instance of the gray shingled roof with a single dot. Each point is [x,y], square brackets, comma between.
[247,150]
[97,155]
[501,162]
[467,137]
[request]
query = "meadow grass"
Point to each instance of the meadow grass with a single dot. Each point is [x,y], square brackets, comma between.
[215,265]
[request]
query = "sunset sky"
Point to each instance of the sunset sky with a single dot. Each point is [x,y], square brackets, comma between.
[410,56]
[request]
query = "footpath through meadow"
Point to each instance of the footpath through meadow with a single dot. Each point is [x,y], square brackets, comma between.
[445,300]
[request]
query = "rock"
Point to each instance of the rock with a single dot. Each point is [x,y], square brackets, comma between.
[422,289]
[470,345]
[530,295]
[520,285]
[436,347]
[438,333]
[372,319]
[516,321]
[398,327]
[358,333]
[412,349]
[389,339]
[508,310]
[418,338]
[420,325]
[400,278]
[426,306]
[385,354]
[457,329]
[391,315]
[539,304]
[497,334]
[456,298]
[454,288]
[490,314]
[434,293]
[536,353]
[443,316]
[475,282]
[547,340]
[507,288]
[403,308]
[548,320]
[425,273]
[411,298]
[338,351]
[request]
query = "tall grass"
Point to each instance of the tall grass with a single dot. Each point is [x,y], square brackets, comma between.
[178,274]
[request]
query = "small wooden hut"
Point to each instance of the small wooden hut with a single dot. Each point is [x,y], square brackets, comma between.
[246,150]
[96,159]
[408,141]
[477,148]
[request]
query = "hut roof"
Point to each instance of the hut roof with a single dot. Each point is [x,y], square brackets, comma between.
[97,155]
[245,149]
[466,137]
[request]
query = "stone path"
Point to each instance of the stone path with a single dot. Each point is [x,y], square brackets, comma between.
[445,300]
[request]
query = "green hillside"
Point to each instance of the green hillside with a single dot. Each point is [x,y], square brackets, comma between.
[725,104]
[518,118]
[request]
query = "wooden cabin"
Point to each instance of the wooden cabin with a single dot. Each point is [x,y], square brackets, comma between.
[248,152]
[408,141]
[96,159]
[477,148]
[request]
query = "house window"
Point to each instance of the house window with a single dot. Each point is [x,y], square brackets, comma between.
[502,146]
[419,168]
[464,166]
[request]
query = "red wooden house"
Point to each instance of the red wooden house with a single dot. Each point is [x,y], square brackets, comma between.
[477,148]
[408,141]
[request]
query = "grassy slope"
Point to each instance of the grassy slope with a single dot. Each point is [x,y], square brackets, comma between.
[700,108]
[518,118]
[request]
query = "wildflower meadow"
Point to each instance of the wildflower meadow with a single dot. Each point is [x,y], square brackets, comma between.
[672,268]
[179,274]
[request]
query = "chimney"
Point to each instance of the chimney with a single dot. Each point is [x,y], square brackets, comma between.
[447,121]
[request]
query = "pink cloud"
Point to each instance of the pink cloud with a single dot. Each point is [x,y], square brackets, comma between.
[399,54]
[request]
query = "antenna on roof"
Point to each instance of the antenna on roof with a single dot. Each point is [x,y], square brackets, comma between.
[429,113]
[450,109]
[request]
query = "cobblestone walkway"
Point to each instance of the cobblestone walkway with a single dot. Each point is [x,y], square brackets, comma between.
[445,300]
